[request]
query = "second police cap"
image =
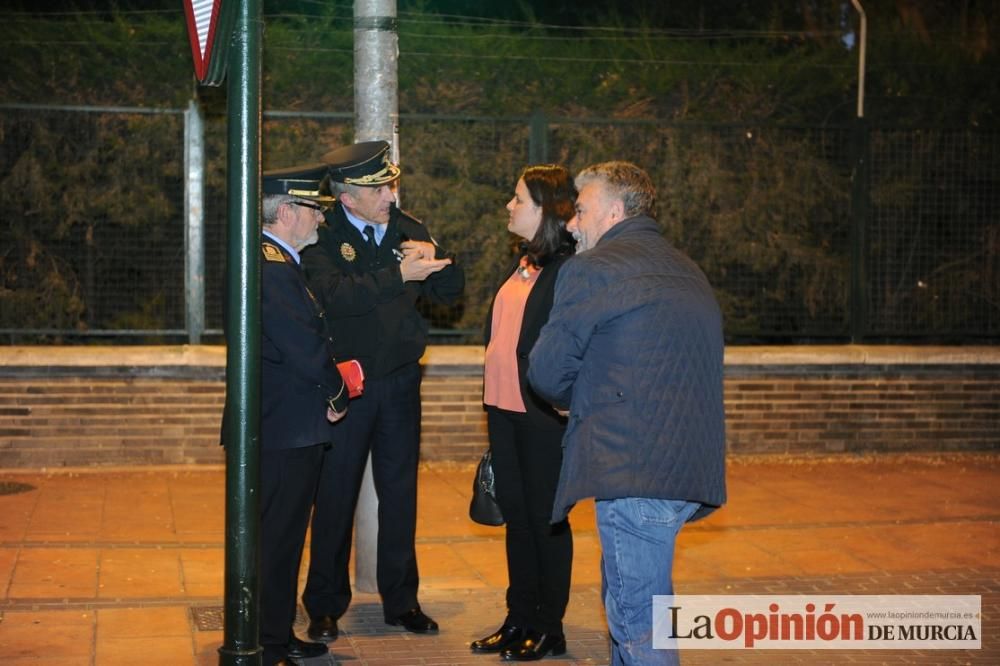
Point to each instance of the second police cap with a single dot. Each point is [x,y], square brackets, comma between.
[301,181]
[367,164]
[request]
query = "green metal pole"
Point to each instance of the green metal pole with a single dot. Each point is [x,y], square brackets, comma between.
[242,581]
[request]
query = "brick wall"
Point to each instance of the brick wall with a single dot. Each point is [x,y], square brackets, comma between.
[453,423]
[155,405]
[61,420]
[834,409]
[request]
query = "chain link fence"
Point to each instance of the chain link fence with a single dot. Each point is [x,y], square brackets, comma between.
[91,241]
[808,234]
[933,259]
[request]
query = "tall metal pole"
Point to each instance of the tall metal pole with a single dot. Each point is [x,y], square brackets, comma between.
[242,581]
[862,54]
[860,197]
[376,73]
[376,116]
[194,209]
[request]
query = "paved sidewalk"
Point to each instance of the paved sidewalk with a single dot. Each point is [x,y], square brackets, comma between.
[124,566]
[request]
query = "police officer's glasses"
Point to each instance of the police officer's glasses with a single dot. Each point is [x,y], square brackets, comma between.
[308,204]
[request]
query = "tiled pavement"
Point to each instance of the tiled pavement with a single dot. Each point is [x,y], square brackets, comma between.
[124,566]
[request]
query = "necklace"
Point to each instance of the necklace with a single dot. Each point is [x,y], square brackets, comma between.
[524,269]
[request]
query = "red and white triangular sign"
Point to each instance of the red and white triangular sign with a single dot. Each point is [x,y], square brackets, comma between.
[202,19]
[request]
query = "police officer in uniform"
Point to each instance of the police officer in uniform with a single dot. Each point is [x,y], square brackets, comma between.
[302,395]
[371,265]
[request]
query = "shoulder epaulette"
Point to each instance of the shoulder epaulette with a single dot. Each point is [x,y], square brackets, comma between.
[272,252]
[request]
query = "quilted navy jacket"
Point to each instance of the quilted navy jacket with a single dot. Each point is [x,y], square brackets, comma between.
[634,347]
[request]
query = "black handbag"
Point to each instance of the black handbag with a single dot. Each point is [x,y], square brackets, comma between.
[484,508]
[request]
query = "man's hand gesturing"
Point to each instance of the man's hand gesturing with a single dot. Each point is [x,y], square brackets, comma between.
[418,261]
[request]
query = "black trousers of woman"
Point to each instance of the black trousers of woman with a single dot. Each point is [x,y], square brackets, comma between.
[526,461]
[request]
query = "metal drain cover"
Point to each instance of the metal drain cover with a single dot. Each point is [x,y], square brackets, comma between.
[14,487]
[207,618]
[211,618]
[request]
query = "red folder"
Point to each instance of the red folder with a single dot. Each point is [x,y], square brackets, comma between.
[354,377]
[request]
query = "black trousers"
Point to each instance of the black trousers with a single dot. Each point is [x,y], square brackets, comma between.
[386,421]
[288,480]
[526,461]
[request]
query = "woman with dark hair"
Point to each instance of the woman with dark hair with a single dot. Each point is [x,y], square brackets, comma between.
[525,432]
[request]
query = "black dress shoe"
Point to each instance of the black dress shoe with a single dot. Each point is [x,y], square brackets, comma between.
[413,620]
[299,649]
[503,637]
[534,647]
[323,629]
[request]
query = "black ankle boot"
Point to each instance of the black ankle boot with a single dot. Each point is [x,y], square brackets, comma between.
[503,637]
[535,646]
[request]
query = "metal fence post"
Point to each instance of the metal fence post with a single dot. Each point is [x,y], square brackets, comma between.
[538,141]
[194,229]
[860,195]
[376,116]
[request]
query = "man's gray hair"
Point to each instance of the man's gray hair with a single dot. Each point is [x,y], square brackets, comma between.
[625,181]
[269,207]
[337,188]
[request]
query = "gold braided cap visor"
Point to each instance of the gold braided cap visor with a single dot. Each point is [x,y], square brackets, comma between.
[387,174]
[313,195]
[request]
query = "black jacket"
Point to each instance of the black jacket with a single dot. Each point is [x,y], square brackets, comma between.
[373,311]
[298,371]
[536,313]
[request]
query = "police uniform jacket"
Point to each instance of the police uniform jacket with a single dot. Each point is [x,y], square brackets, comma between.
[298,370]
[363,293]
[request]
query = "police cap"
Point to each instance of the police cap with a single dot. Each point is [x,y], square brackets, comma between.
[301,181]
[366,164]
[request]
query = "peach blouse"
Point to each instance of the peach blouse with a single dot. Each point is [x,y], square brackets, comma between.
[501,385]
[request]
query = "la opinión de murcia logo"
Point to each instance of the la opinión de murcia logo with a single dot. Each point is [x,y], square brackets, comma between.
[813,622]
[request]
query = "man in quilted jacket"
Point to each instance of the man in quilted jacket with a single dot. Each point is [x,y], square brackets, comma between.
[634,348]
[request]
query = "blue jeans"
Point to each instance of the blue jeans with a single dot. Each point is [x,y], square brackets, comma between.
[637,545]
